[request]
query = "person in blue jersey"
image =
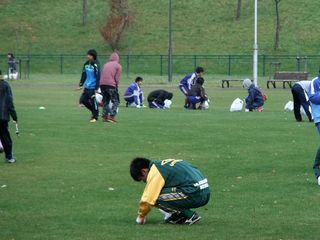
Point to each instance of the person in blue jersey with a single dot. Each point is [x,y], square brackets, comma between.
[89,81]
[189,80]
[197,95]
[314,98]
[134,95]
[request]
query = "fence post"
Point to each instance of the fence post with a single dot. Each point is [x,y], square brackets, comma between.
[61,64]
[195,61]
[128,65]
[20,68]
[161,65]
[229,65]
[264,65]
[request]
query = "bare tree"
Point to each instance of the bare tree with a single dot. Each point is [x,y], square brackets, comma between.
[278,27]
[239,9]
[85,10]
[120,17]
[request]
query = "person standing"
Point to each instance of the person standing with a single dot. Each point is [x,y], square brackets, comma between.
[300,98]
[90,81]
[110,78]
[6,110]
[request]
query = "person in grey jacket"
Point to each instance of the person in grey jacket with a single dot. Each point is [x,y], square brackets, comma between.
[6,110]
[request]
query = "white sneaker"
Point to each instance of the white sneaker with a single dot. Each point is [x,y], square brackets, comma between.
[319,181]
[12,160]
[166,214]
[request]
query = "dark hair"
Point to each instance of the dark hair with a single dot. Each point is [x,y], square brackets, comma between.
[10,54]
[139,79]
[170,96]
[200,81]
[93,53]
[136,166]
[199,69]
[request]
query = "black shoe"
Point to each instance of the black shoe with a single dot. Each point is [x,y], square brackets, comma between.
[127,104]
[195,218]
[176,218]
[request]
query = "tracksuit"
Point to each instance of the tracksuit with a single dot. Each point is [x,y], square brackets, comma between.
[300,98]
[134,95]
[6,110]
[196,95]
[174,186]
[187,82]
[255,99]
[90,79]
[156,98]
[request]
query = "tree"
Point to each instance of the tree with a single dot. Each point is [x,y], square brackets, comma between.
[120,17]
[85,10]
[239,9]
[278,27]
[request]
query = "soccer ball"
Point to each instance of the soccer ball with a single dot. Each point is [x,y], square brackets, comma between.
[205,105]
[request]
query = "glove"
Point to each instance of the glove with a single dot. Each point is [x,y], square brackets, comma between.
[140,220]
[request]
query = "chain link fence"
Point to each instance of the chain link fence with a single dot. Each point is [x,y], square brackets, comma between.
[158,64]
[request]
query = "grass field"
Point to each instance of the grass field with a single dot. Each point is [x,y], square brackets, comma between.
[258,165]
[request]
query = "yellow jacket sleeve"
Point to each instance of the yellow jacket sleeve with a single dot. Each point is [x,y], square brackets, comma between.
[155,183]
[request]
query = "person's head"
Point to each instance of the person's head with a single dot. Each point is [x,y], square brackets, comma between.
[200,71]
[139,81]
[200,81]
[247,83]
[139,169]
[10,55]
[170,96]
[92,55]
[114,57]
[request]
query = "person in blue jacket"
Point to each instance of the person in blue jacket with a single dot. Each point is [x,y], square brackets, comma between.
[314,98]
[90,80]
[255,100]
[134,96]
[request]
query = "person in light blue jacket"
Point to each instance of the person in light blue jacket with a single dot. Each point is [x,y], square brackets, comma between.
[314,98]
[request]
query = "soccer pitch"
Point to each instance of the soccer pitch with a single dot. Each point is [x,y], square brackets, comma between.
[259,166]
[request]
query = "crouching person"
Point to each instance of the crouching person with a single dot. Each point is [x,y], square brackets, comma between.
[255,99]
[173,186]
[160,99]
[197,95]
[134,95]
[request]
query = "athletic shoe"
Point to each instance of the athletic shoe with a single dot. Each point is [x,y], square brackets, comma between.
[166,214]
[12,160]
[319,181]
[93,120]
[112,120]
[176,218]
[195,218]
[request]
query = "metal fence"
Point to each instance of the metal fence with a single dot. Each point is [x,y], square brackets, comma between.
[157,64]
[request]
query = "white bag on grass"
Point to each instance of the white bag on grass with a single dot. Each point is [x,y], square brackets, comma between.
[236,105]
[288,107]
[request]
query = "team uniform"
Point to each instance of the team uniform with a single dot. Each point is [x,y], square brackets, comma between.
[314,97]
[196,95]
[300,98]
[174,186]
[156,98]
[134,95]
[90,79]
[187,82]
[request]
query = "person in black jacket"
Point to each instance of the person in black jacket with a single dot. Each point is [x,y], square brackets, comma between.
[6,110]
[157,98]
[197,94]
[90,80]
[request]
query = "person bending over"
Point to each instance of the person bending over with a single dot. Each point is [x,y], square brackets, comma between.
[158,99]
[300,98]
[173,186]
[187,82]
[255,100]
[134,95]
[197,94]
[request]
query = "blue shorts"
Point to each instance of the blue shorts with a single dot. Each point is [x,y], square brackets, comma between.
[184,89]
[194,100]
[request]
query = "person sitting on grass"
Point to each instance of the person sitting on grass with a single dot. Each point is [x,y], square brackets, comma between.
[173,186]
[90,79]
[6,110]
[314,97]
[134,95]
[255,99]
[197,94]
[187,82]
[160,99]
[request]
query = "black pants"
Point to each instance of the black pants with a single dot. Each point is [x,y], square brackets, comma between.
[111,100]
[299,99]
[5,139]
[88,99]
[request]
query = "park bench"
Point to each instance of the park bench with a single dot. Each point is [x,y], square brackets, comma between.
[287,78]
[227,81]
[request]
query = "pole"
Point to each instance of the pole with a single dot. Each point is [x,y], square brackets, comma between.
[170,43]
[255,45]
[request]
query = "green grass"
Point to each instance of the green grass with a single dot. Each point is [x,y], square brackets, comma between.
[258,165]
[199,27]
